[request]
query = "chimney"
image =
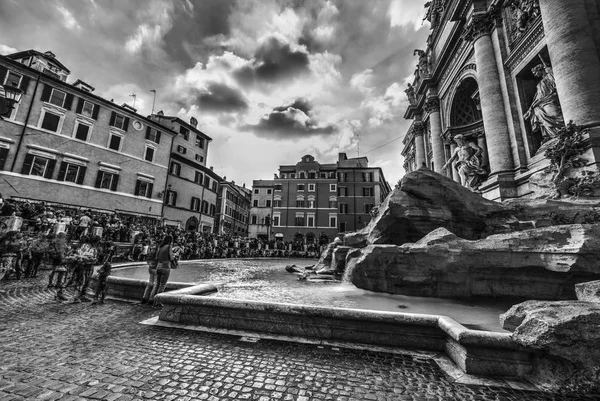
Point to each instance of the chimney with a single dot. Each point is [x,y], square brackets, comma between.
[211,168]
[244,185]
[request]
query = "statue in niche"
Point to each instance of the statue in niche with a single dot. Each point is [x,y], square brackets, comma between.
[545,113]
[410,93]
[469,162]
[423,65]
[522,13]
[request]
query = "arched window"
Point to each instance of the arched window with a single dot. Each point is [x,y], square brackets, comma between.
[465,109]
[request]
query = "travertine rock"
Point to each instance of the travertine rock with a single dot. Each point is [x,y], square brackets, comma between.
[589,291]
[324,263]
[541,263]
[567,337]
[426,201]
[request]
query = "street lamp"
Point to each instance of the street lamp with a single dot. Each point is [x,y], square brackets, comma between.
[12,95]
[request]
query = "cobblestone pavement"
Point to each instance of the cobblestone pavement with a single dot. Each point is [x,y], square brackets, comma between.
[66,351]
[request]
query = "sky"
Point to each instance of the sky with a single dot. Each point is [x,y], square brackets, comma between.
[268,80]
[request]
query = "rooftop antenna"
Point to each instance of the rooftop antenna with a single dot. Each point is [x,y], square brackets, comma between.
[358,144]
[154,100]
[134,96]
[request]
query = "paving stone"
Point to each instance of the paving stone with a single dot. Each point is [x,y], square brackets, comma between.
[79,351]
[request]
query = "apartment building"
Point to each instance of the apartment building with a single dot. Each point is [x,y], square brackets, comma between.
[261,209]
[233,209]
[65,145]
[192,188]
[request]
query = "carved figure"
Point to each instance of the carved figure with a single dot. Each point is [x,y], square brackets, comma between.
[410,93]
[423,65]
[469,162]
[434,10]
[523,12]
[545,113]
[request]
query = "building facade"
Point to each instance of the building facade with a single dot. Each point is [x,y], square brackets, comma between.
[63,144]
[233,209]
[191,189]
[313,202]
[495,81]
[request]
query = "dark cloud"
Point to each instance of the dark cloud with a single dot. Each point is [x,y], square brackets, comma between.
[293,120]
[274,61]
[220,98]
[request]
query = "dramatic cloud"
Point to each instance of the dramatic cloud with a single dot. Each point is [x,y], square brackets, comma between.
[274,61]
[6,49]
[289,121]
[68,20]
[220,97]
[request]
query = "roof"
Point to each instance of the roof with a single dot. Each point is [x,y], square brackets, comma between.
[32,52]
[187,125]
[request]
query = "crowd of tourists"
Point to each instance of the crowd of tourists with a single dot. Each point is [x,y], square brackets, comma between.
[71,242]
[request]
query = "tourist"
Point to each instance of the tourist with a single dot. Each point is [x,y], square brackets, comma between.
[58,252]
[152,265]
[163,270]
[102,287]
[86,256]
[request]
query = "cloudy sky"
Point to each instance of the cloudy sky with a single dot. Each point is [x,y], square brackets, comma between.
[268,80]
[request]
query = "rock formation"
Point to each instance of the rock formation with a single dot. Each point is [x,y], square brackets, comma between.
[541,263]
[566,339]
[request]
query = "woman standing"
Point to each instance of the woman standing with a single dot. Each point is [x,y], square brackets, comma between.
[163,269]
[152,265]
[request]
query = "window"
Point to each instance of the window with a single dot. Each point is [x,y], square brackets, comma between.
[333,204]
[282,175]
[212,210]
[312,175]
[255,203]
[311,204]
[57,97]
[368,208]
[175,169]
[198,177]
[143,188]
[302,174]
[276,220]
[254,219]
[311,187]
[171,198]
[332,187]
[115,141]
[300,221]
[300,203]
[199,141]
[214,186]
[154,135]
[342,191]
[199,158]
[149,154]
[368,191]
[82,131]
[51,121]
[256,191]
[119,121]
[342,177]
[277,203]
[343,208]
[268,203]
[300,187]
[87,109]
[38,165]
[332,221]
[195,204]
[13,79]
[181,149]
[204,207]
[368,177]
[292,175]
[185,133]
[277,187]
[269,191]
[310,221]
[107,180]
[71,172]
[343,227]
[207,181]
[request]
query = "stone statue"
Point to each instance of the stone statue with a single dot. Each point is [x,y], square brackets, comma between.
[410,93]
[545,113]
[434,10]
[469,160]
[423,65]
[523,12]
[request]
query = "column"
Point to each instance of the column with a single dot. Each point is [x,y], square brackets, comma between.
[490,93]
[574,59]
[432,106]
[419,146]
[483,145]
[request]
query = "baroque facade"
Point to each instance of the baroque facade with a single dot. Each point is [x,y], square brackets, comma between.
[495,81]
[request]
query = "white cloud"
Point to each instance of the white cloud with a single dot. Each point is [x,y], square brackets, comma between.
[4,49]
[144,35]
[362,81]
[406,12]
[155,22]
[69,20]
